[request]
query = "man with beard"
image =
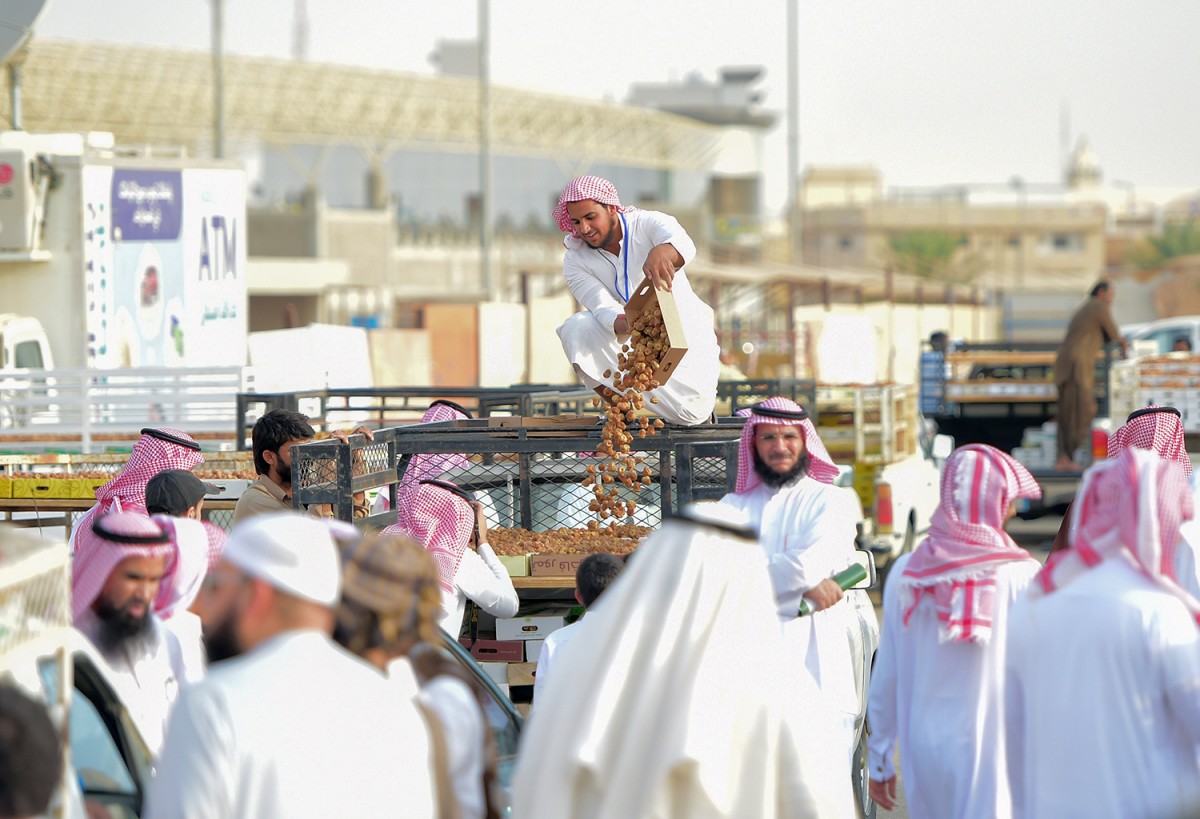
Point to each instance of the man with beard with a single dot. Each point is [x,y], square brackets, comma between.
[287,723]
[807,527]
[119,563]
[273,437]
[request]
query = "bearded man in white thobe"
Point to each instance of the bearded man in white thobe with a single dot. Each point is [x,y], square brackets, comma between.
[1103,684]
[937,681]
[611,250]
[287,723]
[807,528]
[119,565]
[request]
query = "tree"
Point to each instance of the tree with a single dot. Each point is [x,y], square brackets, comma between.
[932,254]
[1154,251]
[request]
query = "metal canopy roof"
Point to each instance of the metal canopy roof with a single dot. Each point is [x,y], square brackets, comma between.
[158,96]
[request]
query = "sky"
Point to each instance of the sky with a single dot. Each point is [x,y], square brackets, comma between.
[931,92]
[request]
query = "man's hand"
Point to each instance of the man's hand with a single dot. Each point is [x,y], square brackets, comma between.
[480,523]
[621,325]
[344,437]
[823,595]
[661,264]
[883,793]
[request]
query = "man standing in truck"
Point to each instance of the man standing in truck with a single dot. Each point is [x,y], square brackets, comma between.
[611,250]
[1075,370]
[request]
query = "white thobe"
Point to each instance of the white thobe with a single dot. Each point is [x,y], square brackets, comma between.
[807,530]
[147,673]
[462,721]
[596,279]
[481,577]
[551,648]
[944,702]
[1187,568]
[1103,700]
[296,727]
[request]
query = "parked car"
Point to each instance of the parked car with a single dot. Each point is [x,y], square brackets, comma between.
[1164,332]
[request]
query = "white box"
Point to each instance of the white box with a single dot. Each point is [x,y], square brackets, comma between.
[533,650]
[231,489]
[497,671]
[533,626]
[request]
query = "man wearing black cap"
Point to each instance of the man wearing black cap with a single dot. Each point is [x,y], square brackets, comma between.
[178,493]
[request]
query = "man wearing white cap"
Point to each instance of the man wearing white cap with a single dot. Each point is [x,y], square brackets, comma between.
[294,726]
[611,250]
[1102,692]
[119,566]
[807,527]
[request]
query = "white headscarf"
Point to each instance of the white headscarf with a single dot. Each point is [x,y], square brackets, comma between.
[670,699]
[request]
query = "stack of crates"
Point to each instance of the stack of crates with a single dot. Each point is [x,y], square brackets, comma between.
[872,424]
[1169,380]
[934,374]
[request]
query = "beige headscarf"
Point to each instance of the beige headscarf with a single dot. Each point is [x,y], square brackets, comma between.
[669,701]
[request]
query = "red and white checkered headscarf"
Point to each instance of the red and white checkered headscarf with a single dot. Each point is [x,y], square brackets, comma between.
[198,546]
[578,190]
[1156,428]
[100,548]
[956,564]
[150,455]
[1133,504]
[429,466]
[821,466]
[440,521]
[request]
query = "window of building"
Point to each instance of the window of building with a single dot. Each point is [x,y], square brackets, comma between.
[1062,242]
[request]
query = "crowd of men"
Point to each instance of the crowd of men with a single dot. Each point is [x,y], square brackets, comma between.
[291,667]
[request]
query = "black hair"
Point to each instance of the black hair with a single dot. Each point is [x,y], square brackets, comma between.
[1101,287]
[274,430]
[30,754]
[594,575]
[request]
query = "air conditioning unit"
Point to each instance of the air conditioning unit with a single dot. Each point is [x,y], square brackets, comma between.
[18,202]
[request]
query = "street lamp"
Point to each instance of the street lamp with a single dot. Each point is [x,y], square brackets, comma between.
[1018,184]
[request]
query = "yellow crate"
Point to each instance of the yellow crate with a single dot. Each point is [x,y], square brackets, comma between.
[85,488]
[49,488]
[6,487]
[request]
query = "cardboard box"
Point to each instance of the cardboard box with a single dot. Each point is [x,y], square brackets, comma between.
[533,650]
[646,296]
[555,566]
[517,565]
[534,626]
[497,671]
[231,488]
[521,673]
[496,651]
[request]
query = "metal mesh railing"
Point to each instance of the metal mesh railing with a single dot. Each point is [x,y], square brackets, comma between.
[35,600]
[526,477]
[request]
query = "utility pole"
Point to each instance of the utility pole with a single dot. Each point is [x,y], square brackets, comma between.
[793,136]
[485,152]
[218,55]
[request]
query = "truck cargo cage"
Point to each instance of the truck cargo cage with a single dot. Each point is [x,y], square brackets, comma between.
[527,476]
[391,406]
